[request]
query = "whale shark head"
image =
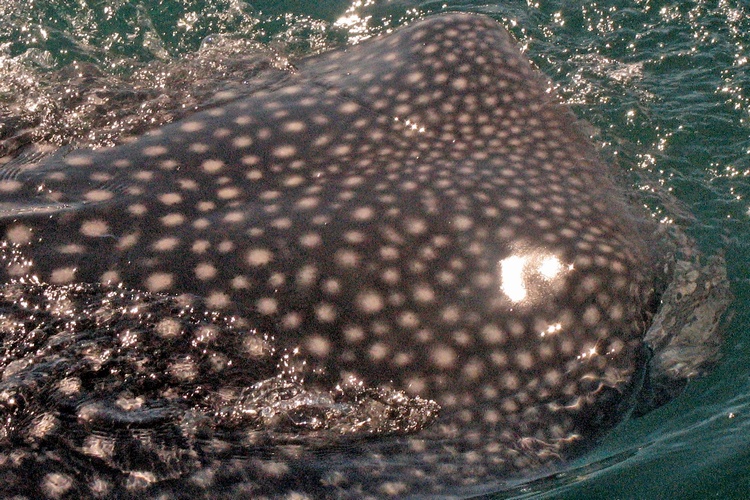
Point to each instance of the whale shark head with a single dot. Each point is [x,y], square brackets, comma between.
[417,212]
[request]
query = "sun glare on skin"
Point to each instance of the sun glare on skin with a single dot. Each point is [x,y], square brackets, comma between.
[550,267]
[530,273]
[511,276]
[551,329]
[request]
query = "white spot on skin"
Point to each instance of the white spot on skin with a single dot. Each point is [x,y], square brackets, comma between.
[347,258]
[137,209]
[257,257]
[267,305]
[443,357]
[354,237]
[228,193]
[251,160]
[390,276]
[341,150]
[192,126]
[69,386]
[294,127]
[63,275]
[423,293]
[168,165]
[42,427]
[143,175]
[393,488]
[325,313]
[200,246]
[78,160]
[462,223]
[349,108]
[199,147]
[127,241]
[56,485]
[378,351]
[284,151]
[369,302]
[218,300]
[242,141]
[363,213]
[170,198]
[10,186]
[212,166]
[158,282]
[234,217]
[98,195]
[152,151]
[525,360]
[318,346]
[19,234]
[98,446]
[307,276]
[460,83]
[308,202]
[291,321]
[416,226]
[591,316]
[451,314]
[183,369]
[408,319]
[270,195]
[205,206]
[473,370]
[311,240]
[240,283]
[169,327]
[205,271]
[332,287]
[165,244]
[492,334]
[201,223]
[94,228]
[174,219]
[354,334]
[294,181]
[243,120]
[389,253]
[277,280]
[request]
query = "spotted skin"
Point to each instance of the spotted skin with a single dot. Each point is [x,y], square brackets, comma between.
[417,211]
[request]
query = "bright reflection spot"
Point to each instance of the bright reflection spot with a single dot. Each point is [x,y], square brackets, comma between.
[354,23]
[550,267]
[551,329]
[587,353]
[511,275]
[531,275]
[410,124]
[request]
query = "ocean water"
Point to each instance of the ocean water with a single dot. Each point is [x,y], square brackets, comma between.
[664,87]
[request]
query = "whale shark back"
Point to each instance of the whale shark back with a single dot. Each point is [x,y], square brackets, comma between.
[416,212]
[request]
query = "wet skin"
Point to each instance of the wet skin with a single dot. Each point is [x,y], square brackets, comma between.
[417,212]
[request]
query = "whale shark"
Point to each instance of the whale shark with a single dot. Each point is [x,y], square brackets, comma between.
[417,214]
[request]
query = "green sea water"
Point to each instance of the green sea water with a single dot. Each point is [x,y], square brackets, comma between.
[665,87]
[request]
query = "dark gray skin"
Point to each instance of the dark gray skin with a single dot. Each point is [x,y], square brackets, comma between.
[415,212]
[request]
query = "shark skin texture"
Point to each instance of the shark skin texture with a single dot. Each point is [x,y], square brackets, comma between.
[416,213]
